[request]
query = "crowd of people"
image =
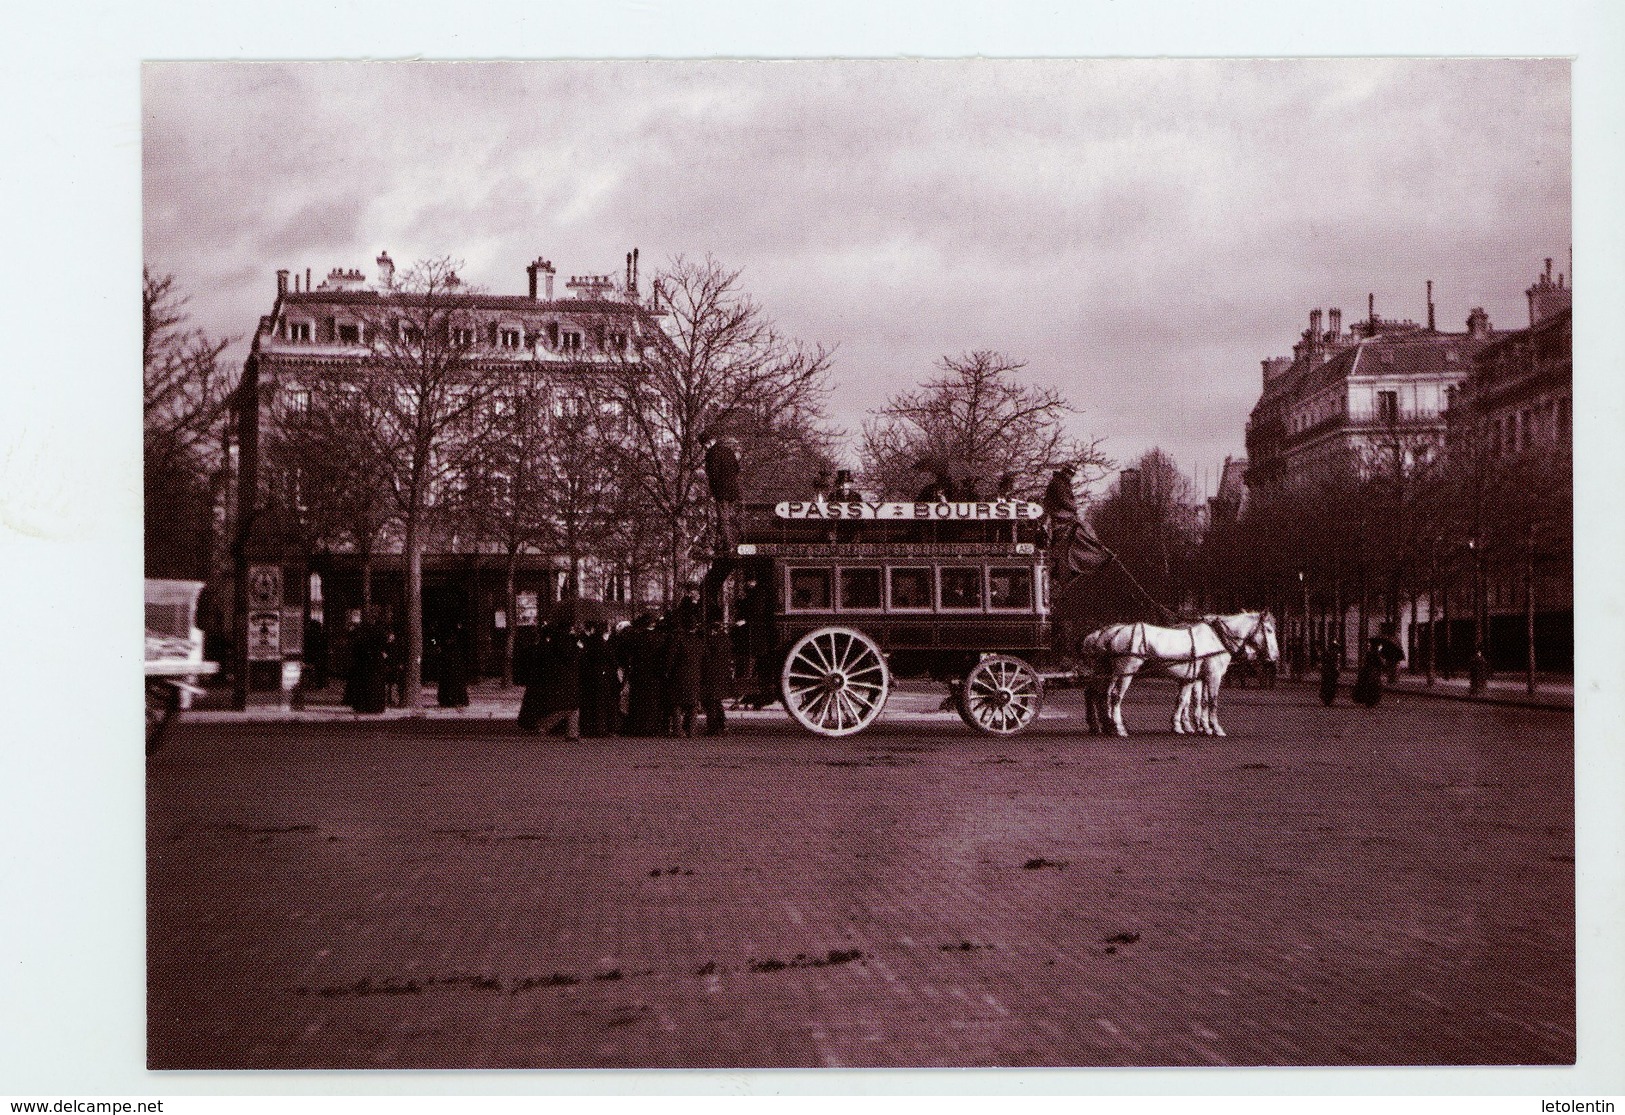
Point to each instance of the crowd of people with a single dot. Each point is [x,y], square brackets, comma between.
[654,676]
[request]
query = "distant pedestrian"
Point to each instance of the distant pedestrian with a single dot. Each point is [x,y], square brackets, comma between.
[452,691]
[1331,666]
[685,663]
[370,671]
[316,655]
[643,678]
[716,679]
[600,684]
[1368,682]
[557,703]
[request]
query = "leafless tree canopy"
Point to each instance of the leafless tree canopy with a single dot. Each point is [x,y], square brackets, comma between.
[717,364]
[980,416]
[186,392]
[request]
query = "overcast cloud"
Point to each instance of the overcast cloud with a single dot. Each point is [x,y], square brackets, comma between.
[1142,233]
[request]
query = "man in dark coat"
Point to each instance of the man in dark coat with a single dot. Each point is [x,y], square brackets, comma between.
[722,474]
[1368,682]
[1331,665]
[685,663]
[369,672]
[716,679]
[600,684]
[643,678]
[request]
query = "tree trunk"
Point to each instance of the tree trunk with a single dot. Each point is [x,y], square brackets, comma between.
[1433,624]
[366,581]
[508,632]
[1529,610]
[412,675]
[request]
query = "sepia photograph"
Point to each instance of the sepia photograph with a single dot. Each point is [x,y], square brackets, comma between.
[859,564]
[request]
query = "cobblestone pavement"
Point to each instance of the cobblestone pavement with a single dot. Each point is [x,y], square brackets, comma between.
[1321,887]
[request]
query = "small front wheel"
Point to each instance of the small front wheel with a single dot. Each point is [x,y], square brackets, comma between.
[1001,696]
[163,705]
[835,681]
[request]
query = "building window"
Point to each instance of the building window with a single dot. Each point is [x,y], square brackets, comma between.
[299,331]
[617,342]
[1388,406]
[570,341]
[299,401]
[510,338]
[462,337]
[350,334]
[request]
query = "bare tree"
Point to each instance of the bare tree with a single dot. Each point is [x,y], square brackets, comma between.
[1149,519]
[330,477]
[715,362]
[426,412]
[980,416]
[186,392]
[185,400]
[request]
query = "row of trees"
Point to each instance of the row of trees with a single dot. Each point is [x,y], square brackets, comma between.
[1394,525]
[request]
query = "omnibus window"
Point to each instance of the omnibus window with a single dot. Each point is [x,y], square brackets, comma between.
[962,588]
[809,590]
[1010,588]
[860,588]
[911,588]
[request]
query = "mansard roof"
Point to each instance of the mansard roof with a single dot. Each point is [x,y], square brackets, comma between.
[517,303]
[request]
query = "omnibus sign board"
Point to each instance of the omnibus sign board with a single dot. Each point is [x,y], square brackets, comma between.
[995,511]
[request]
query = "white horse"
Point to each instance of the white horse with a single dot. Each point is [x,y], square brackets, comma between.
[1197,654]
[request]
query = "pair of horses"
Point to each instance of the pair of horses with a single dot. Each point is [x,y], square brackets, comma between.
[1197,654]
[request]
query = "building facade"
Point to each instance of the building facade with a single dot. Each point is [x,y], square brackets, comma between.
[318,335]
[1513,418]
[1350,393]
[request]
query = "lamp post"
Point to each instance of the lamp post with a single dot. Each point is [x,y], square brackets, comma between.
[1477,673]
[1303,635]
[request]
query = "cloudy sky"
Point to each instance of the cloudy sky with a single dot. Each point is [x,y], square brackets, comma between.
[1141,233]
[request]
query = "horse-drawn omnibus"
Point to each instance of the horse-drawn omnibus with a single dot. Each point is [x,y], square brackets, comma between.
[837,600]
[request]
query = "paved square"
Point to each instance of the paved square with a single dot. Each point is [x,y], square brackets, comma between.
[1322,887]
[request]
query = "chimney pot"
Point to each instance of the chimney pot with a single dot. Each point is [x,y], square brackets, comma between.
[282,281]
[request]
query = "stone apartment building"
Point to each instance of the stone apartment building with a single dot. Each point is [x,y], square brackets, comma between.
[322,330]
[1518,404]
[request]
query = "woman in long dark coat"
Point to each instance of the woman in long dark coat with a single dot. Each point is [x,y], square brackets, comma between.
[453,690]
[530,666]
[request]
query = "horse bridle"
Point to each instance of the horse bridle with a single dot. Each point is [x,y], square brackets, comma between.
[1240,645]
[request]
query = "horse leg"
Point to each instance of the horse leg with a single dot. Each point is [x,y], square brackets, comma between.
[1212,703]
[1119,690]
[1183,722]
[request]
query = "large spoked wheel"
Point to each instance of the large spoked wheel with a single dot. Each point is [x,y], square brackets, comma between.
[1001,696]
[835,681]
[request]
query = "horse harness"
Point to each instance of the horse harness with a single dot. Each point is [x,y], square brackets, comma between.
[1237,648]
